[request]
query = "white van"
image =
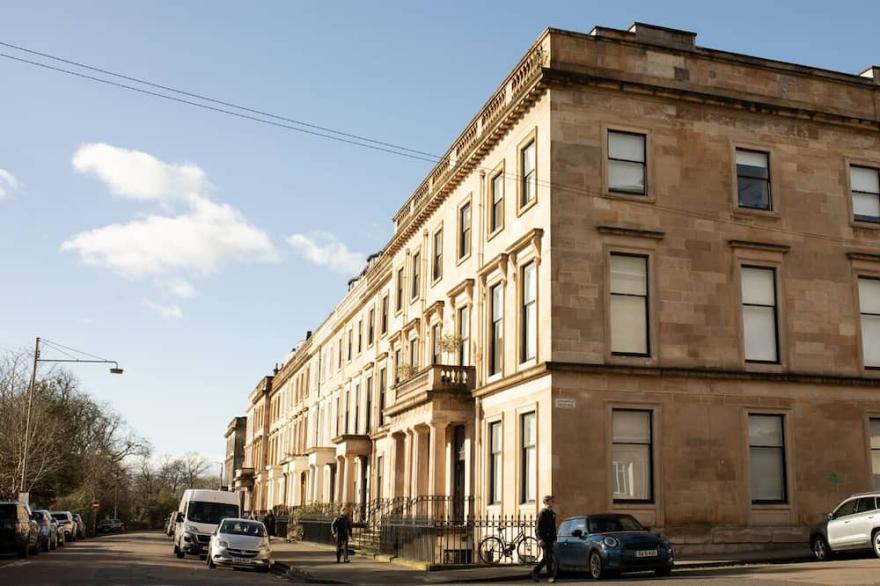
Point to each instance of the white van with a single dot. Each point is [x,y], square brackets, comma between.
[198,515]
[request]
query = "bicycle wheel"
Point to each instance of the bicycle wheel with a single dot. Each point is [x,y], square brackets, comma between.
[528,551]
[491,550]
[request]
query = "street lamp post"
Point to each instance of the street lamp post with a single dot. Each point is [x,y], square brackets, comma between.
[27,425]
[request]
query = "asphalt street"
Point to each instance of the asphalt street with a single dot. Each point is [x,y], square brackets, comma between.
[129,558]
[145,558]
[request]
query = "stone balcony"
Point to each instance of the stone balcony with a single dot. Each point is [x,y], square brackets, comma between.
[438,379]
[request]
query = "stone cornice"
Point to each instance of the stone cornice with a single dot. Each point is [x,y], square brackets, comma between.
[765,246]
[465,285]
[865,256]
[498,262]
[633,84]
[615,230]
[532,237]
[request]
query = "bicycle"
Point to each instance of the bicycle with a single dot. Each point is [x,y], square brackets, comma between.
[494,548]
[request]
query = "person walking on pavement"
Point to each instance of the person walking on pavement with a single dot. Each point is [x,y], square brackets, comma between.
[545,530]
[269,522]
[341,530]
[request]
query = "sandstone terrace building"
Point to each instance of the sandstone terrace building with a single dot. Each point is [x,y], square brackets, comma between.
[643,279]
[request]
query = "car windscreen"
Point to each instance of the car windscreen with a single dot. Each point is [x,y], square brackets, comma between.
[8,512]
[60,516]
[213,513]
[38,516]
[252,528]
[615,523]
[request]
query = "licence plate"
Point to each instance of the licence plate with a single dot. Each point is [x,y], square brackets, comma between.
[646,553]
[241,561]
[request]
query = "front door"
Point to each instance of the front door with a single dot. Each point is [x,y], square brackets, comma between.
[458,472]
[841,528]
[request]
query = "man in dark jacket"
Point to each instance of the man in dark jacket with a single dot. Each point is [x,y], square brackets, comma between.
[269,522]
[545,530]
[341,530]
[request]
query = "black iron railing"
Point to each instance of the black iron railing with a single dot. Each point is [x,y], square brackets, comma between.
[437,530]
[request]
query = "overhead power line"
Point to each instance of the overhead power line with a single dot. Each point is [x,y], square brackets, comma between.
[276,120]
[368,145]
[216,101]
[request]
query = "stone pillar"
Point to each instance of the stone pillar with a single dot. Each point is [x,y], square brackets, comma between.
[407,464]
[348,485]
[437,472]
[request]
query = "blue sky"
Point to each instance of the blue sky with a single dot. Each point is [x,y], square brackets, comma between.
[195,324]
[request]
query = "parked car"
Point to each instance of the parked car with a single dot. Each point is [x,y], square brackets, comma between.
[854,525]
[48,530]
[240,543]
[80,526]
[110,525]
[610,544]
[68,524]
[169,524]
[198,515]
[58,530]
[19,533]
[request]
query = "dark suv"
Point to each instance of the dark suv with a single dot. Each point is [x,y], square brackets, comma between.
[18,532]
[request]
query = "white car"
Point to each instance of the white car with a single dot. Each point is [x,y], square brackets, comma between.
[854,525]
[241,543]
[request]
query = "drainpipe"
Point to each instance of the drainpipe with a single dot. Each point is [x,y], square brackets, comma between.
[478,361]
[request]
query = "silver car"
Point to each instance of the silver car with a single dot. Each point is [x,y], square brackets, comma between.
[854,525]
[241,543]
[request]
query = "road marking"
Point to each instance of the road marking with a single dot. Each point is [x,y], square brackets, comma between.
[17,564]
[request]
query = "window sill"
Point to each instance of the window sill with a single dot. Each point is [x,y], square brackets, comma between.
[494,377]
[763,366]
[532,203]
[634,505]
[462,259]
[756,213]
[492,235]
[867,225]
[771,506]
[631,359]
[625,195]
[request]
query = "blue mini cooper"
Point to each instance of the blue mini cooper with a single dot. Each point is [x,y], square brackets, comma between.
[608,544]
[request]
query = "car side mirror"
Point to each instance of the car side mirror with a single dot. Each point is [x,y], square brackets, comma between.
[577,533]
[647,528]
[179,518]
[829,516]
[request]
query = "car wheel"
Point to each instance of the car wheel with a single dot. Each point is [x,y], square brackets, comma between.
[595,567]
[23,552]
[875,541]
[46,546]
[821,551]
[36,550]
[210,561]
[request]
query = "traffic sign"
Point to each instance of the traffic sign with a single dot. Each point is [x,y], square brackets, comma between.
[96,505]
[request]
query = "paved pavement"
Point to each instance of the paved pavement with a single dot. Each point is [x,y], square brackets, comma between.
[130,558]
[316,563]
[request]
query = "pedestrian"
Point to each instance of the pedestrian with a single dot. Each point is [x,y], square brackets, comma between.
[269,522]
[341,530]
[545,530]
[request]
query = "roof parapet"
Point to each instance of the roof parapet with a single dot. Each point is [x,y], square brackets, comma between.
[651,34]
[872,72]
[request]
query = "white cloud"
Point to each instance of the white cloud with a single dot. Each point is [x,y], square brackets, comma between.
[8,183]
[179,288]
[139,175]
[172,311]
[168,247]
[325,249]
